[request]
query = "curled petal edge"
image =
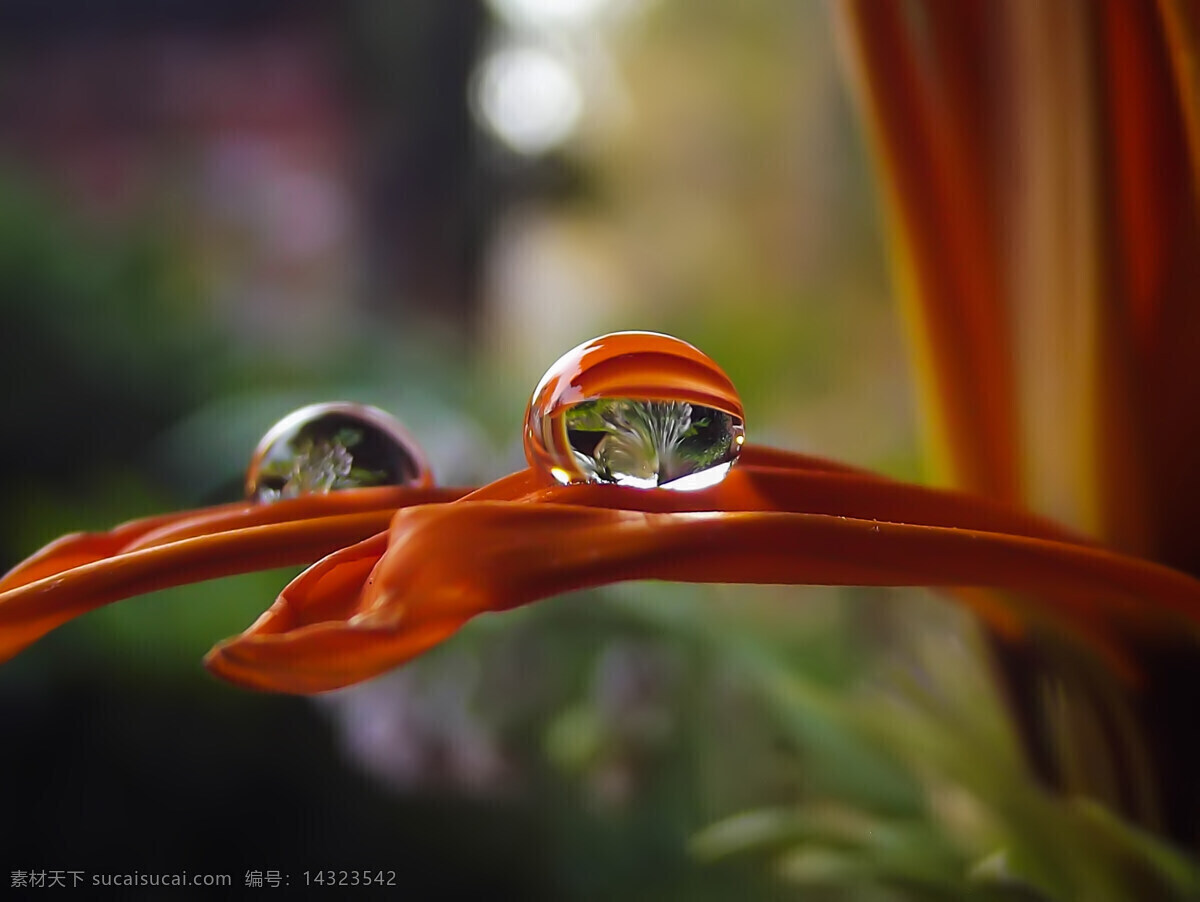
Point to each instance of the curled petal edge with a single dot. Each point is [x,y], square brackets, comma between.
[374,601]
[444,565]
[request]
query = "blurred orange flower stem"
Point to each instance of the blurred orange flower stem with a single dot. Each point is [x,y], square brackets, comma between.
[932,142]
[1040,165]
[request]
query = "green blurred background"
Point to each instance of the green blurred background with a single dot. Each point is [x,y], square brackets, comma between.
[212,213]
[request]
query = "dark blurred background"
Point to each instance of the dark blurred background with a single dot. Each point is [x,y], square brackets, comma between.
[212,213]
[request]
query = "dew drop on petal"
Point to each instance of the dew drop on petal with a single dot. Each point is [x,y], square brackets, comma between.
[327,447]
[636,409]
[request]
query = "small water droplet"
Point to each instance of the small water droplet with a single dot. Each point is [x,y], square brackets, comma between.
[337,445]
[637,409]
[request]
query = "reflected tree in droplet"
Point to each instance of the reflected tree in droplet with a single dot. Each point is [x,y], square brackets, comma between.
[328,447]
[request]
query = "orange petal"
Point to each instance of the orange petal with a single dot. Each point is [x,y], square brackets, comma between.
[837,493]
[448,563]
[337,593]
[326,591]
[86,570]
[78,548]
[518,553]
[84,547]
[754,455]
[321,657]
[30,611]
[311,639]
[331,504]
[926,95]
[1181,20]
[329,589]
[508,487]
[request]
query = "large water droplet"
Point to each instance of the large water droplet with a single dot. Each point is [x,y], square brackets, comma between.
[337,445]
[638,409]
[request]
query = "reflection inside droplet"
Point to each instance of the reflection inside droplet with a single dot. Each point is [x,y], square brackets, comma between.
[649,443]
[328,447]
[635,409]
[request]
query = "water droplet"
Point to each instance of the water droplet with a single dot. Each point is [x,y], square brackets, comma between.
[637,409]
[337,445]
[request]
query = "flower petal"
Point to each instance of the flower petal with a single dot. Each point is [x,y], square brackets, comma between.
[80,548]
[925,95]
[370,607]
[77,548]
[87,570]
[331,656]
[837,493]
[791,482]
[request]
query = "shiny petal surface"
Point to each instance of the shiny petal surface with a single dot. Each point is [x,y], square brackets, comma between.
[516,541]
[448,563]
[80,572]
